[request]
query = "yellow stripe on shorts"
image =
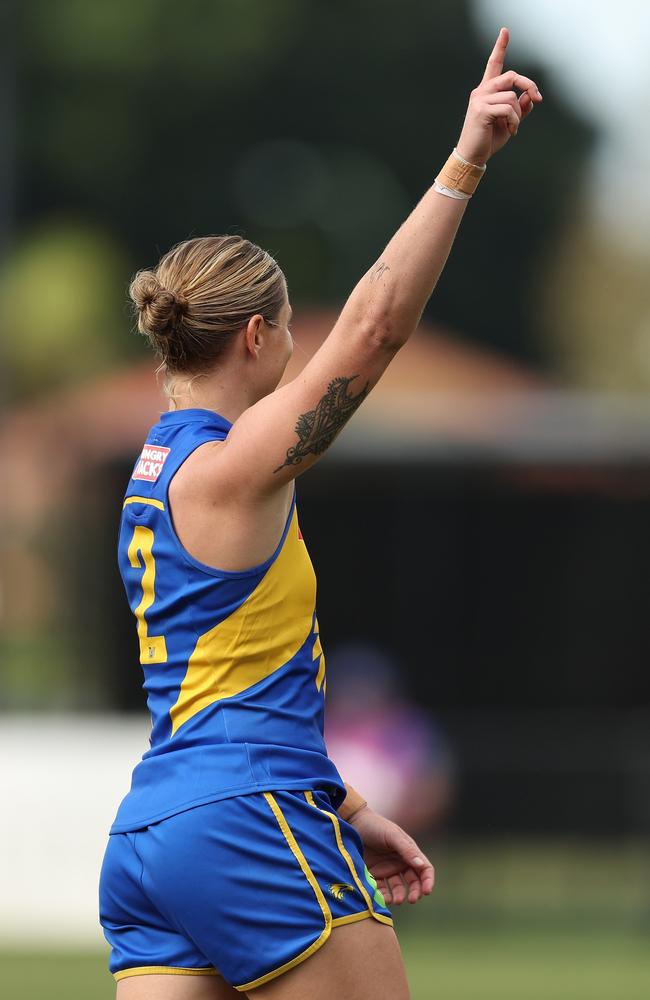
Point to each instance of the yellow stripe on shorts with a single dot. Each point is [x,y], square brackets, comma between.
[322,902]
[350,863]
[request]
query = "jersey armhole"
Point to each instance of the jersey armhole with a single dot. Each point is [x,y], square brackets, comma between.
[257,570]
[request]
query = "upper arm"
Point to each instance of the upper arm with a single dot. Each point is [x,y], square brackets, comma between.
[287,431]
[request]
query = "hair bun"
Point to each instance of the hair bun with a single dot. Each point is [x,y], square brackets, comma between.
[158,308]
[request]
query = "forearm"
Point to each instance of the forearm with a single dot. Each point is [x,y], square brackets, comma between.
[391,296]
[388,301]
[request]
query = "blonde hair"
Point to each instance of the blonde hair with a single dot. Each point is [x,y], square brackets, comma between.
[201,293]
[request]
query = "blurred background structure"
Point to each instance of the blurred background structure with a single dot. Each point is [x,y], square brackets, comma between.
[480,531]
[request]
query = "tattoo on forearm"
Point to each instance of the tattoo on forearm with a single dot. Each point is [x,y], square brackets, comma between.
[317,428]
[378,270]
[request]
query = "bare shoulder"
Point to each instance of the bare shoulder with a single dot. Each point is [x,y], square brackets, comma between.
[202,475]
[217,519]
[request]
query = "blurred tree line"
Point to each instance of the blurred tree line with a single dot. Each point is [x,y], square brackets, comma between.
[310,127]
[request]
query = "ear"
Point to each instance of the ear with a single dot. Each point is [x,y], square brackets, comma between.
[254,335]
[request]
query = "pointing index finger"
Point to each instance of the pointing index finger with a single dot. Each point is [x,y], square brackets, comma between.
[495,63]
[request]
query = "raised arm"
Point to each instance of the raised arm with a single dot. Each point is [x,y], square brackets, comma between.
[285,433]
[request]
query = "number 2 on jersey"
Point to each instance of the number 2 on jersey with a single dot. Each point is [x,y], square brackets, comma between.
[152,647]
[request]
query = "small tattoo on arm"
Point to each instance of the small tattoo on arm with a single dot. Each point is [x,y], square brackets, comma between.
[378,270]
[317,428]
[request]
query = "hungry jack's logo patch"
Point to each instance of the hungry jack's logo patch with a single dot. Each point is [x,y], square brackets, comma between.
[150,464]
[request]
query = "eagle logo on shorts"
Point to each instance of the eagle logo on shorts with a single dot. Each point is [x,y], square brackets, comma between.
[339,889]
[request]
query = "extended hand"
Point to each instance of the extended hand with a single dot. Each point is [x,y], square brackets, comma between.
[495,111]
[393,858]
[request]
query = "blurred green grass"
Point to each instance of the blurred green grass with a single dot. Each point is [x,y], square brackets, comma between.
[509,964]
[454,963]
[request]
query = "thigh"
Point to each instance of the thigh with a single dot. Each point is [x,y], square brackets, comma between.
[154,987]
[359,961]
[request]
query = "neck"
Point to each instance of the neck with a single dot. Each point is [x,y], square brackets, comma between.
[222,391]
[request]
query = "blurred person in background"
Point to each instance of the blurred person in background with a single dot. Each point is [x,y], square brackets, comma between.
[385,743]
[240,861]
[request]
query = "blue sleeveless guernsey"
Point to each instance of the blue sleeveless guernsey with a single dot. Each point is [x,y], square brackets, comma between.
[233,666]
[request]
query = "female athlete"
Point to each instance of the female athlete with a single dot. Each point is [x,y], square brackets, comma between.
[240,863]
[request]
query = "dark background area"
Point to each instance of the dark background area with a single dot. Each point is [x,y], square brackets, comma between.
[312,128]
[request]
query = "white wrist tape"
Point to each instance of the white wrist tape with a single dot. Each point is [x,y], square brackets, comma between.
[451,192]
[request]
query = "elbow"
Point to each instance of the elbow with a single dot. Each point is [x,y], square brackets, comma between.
[382,329]
[387,335]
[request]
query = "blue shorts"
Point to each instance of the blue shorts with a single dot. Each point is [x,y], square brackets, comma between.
[246,887]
